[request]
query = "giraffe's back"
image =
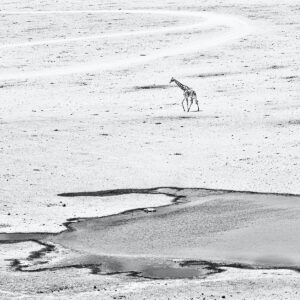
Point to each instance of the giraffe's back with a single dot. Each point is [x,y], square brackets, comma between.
[190,93]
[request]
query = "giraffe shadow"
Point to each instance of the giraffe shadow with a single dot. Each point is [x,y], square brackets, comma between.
[194,116]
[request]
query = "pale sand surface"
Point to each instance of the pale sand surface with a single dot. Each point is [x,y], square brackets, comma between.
[113,136]
[95,131]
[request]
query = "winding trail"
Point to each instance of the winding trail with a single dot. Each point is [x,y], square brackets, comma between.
[238,28]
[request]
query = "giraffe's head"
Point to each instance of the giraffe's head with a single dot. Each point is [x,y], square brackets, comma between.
[172,79]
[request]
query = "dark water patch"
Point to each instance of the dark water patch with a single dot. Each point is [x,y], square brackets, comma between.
[152,268]
[166,272]
[22,237]
[172,270]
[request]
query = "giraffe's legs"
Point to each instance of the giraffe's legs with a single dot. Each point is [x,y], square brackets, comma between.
[191,103]
[187,103]
[192,100]
[182,103]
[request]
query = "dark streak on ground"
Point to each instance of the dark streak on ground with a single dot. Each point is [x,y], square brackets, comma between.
[290,77]
[16,263]
[234,265]
[294,122]
[155,190]
[276,67]
[207,75]
[151,87]
[42,252]
[225,73]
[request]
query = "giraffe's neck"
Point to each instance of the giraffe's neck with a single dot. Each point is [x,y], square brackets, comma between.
[180,85]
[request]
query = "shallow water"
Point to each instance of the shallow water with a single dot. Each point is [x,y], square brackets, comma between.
[256,229]
[154,268]
[19,237]
[209,228]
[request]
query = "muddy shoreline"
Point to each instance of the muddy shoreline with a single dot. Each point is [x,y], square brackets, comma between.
[136,264]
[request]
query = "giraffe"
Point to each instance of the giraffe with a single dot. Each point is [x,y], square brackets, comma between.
[188,93]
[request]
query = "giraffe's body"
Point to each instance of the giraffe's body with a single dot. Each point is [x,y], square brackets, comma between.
[189,94]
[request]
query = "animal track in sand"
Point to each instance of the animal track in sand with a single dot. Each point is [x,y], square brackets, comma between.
[238,28]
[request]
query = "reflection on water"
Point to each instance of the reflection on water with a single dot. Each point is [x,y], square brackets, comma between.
[166,272]
[154,268]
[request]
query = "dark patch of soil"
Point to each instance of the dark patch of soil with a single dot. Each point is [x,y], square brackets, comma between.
[151,87]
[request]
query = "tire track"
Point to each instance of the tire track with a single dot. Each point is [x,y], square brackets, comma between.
[237,28]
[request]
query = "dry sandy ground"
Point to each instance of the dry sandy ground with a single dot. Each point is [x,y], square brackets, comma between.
[102,130]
